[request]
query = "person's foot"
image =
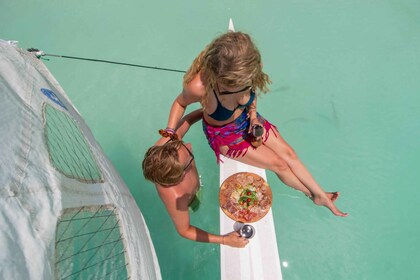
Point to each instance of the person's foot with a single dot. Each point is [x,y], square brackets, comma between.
[328,201]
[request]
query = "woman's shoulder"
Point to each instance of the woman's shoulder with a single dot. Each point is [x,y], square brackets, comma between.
[196,87]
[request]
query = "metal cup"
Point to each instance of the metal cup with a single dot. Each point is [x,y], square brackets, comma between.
[257,130]
[247,231]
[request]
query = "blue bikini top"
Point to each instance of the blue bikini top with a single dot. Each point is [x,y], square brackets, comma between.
[222,114]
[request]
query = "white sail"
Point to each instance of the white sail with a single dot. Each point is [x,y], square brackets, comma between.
[65,213]
[231,27]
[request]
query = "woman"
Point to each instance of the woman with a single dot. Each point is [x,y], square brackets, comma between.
[224,78]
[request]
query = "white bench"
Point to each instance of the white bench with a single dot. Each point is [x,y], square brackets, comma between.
[259,259]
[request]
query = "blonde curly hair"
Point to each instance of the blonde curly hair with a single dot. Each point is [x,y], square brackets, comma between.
[231,59]
[161,164]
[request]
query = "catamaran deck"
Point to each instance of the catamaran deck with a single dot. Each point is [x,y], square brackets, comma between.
[260,258]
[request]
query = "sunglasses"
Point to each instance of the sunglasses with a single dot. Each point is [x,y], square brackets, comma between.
[189,152]
[232,92]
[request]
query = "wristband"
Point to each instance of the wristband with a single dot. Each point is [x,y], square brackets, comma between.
[170,130]
[165,133]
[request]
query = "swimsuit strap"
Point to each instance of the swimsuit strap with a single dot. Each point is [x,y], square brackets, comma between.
[217,98]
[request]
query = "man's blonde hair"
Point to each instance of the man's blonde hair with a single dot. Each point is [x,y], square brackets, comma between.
[231,59]
[161,164]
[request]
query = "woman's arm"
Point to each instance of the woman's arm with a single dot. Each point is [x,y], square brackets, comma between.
[177,110]
[252,110]
[192,93]
[184,125]
[252,114]
[187,121]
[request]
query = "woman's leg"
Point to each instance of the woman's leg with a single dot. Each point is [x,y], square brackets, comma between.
[282,149]
[264,157]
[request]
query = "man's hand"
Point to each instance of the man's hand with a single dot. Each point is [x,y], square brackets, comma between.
[233,239]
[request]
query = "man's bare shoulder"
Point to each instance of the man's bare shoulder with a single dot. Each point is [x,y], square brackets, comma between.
[173,196]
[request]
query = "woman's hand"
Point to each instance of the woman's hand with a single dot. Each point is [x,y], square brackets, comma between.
[257,130]
[254,122]
[233,239]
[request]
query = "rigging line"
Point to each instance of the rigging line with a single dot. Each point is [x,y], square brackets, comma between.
[39,53]
[115,62]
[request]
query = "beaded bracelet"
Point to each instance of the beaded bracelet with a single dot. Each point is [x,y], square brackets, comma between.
[165,133]
[170,130]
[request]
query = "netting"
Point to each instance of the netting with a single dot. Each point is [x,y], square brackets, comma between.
[89,244]
[69,151]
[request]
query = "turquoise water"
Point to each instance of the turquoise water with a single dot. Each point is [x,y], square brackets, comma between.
[344,94]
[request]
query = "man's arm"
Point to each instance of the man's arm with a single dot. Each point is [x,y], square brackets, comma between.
[177,208]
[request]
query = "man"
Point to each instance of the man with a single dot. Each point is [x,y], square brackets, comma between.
[170,165]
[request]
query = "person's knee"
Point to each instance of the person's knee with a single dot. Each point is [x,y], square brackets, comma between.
[290,154]
[280,165]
